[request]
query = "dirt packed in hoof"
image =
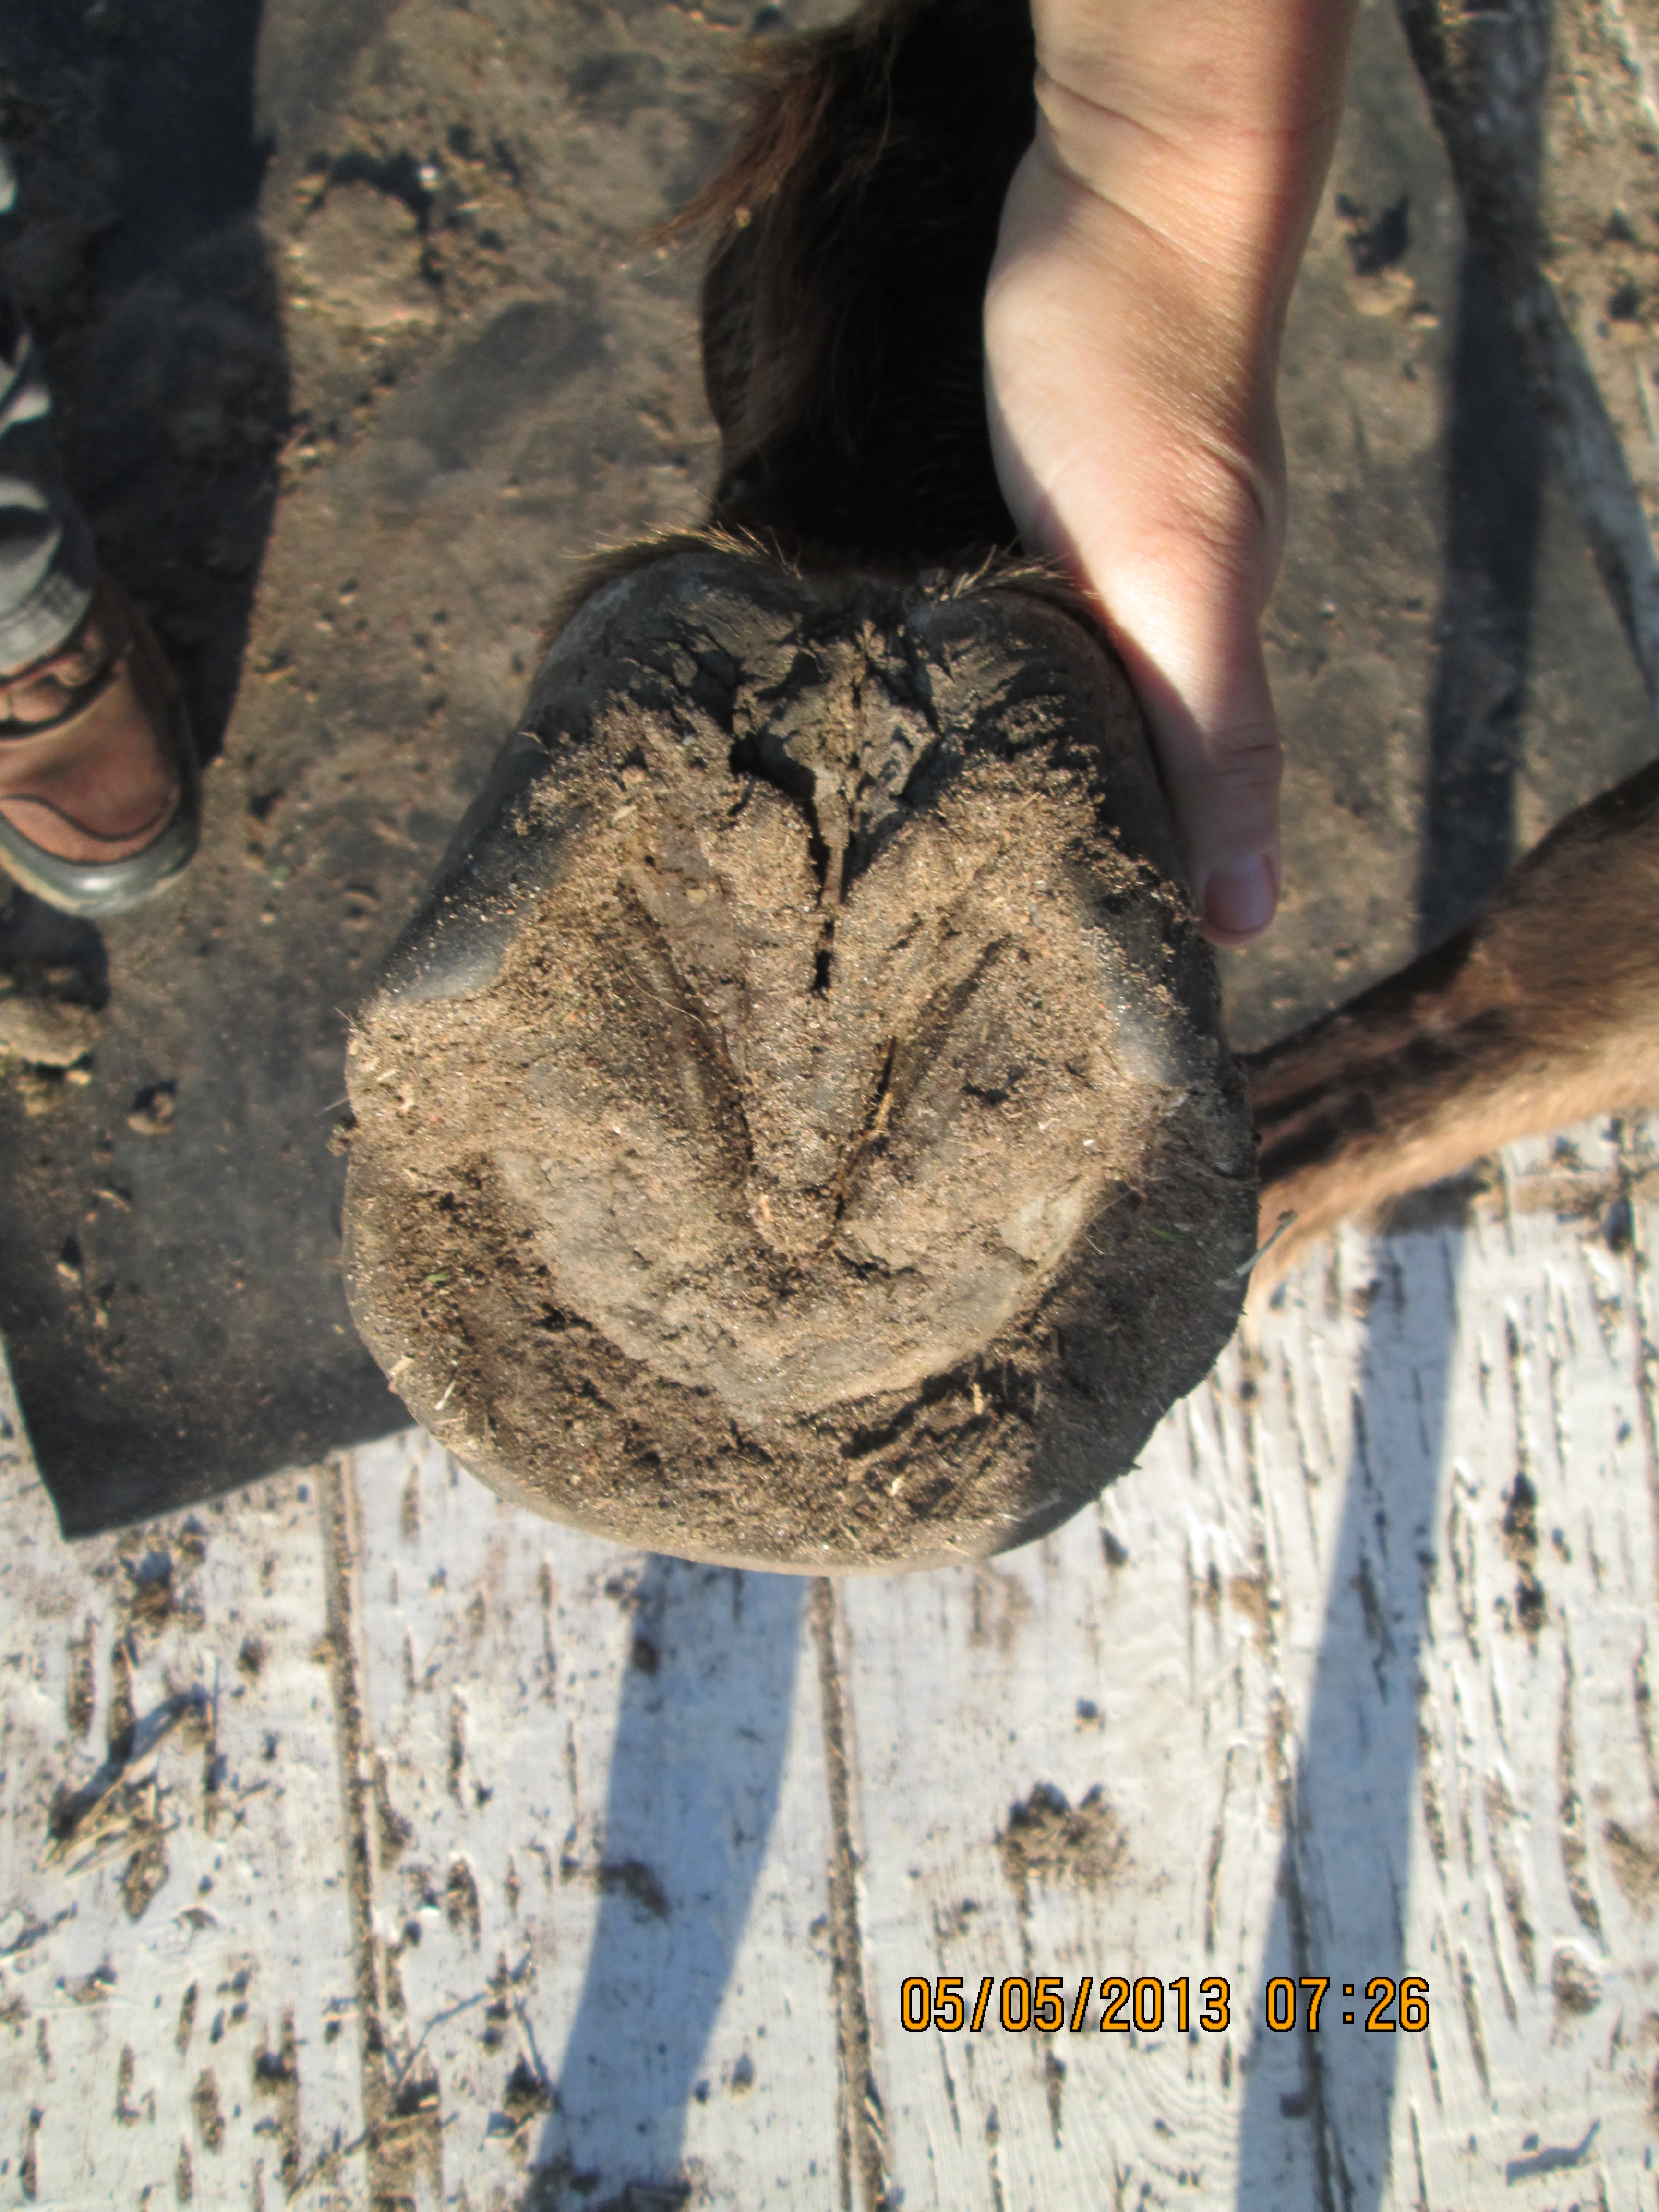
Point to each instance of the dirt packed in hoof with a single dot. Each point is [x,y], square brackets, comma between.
[796,1131]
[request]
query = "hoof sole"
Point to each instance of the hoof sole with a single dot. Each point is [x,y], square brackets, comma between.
[796,1131]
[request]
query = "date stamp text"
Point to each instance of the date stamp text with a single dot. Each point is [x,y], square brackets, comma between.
[1122,2004]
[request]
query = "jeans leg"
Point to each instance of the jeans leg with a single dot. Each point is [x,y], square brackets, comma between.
[45,548]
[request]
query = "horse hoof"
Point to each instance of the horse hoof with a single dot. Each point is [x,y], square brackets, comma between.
[796,1132]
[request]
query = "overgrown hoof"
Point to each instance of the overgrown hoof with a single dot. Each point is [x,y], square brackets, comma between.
[795,1131]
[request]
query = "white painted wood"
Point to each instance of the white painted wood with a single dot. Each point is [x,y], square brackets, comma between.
[601,1866]
[1331,1731]
[1475,1796]
[1128,1654]
[1538,1767]
[1306,1599]
[176,2018]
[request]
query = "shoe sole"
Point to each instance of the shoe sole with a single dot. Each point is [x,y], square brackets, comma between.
[90,889]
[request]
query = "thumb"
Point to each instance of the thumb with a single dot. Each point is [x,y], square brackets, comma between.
[1203,688]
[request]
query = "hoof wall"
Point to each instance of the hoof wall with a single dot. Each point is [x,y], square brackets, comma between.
[796,1131]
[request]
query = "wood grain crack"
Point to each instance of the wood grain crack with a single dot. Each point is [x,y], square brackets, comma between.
[401,2119]
[862,2130]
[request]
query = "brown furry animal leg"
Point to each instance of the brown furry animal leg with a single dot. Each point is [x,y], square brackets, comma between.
[1544,1011]
[853,230]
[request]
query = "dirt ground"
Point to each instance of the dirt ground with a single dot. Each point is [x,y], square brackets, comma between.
[358,350]
[360,347]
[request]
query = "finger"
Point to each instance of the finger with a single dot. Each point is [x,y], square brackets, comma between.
[1217,740]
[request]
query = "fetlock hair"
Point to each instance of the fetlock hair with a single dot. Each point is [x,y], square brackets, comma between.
[852,234]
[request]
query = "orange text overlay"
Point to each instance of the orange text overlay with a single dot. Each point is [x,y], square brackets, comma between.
[1122,2004]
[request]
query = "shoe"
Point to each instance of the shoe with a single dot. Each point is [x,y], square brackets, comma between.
[100,789]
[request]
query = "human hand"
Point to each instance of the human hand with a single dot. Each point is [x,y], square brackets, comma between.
[1149,243]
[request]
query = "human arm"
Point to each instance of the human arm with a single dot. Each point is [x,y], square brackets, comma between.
[1150,242]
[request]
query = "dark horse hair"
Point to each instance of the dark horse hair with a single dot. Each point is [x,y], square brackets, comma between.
[853,233]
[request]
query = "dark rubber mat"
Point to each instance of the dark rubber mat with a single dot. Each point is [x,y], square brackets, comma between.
[348,533]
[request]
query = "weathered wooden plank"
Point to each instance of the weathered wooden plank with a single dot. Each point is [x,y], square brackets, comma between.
[592,1791]
[1464,1617]
[1366,1637]
[1065,1765]
[1535,1843]
[1349,1436]
[175,1984]
[600,1852]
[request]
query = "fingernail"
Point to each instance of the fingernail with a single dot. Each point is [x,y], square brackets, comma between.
[1239,899]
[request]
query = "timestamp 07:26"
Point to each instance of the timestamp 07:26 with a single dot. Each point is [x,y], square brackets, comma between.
[1147,2004]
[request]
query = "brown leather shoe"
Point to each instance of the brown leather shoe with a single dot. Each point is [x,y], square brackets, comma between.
[99,790]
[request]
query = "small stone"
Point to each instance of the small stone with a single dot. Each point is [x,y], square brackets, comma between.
[153,1112]
[39,1091]
[359,259]
[44,1032]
